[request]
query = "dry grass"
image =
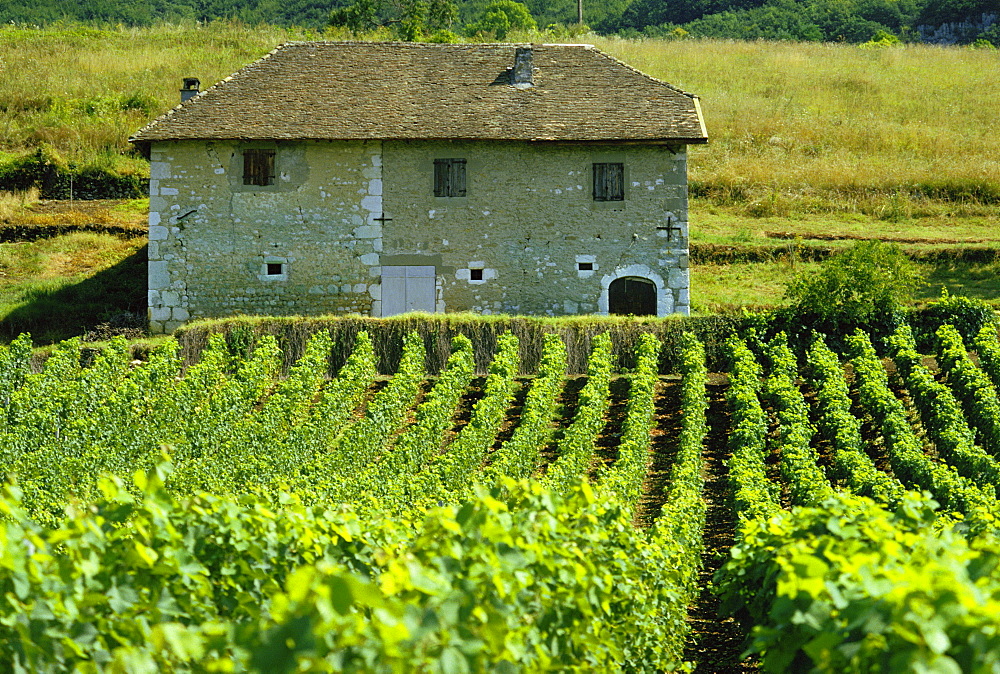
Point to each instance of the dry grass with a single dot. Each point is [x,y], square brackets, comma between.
[796,125]
[86,90]
[64,257]
[14,205]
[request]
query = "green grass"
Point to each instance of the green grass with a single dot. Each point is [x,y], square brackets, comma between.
[60,287]
[981,281]
[731,287]
[730,224]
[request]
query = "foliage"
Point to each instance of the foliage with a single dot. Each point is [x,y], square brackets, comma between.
[453,471]
[626,477]
[909,463]
[519,456]
[576,447]
[942,416]
[156,582]
[679,531]
[799,461]
[869,279]
[843,430]
[499,18]
[387,480]
[311,524]
[410,20]
[969,316]
[45,170]
[849,586]
[972,386]
[754,495]
[856,21]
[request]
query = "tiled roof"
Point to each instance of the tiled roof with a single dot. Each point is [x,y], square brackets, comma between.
[357,90]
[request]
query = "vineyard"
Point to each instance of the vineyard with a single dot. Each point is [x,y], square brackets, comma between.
[236,515]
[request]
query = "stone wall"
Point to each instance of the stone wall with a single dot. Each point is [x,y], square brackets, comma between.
[957,32]
[211,237]
[529,219]
[339,211]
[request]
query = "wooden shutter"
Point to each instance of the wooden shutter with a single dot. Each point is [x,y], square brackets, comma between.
[449,177]
[458,177]
[609,182]
[258,167]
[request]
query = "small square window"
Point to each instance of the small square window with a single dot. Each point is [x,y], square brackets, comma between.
[449,177]
[475,274]
[258,167]
[275,269]
[585,266]
[609,182]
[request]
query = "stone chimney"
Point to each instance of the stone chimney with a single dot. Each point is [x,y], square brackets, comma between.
[521,75]
[190,88]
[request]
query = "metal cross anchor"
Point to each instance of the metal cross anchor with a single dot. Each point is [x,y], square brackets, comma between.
[670,229]
[382,219]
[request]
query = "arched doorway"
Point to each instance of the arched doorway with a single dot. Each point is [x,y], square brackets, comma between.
[632,295]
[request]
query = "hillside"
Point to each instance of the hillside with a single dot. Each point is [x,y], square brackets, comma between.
[793,127]
[812,146]
[855,21]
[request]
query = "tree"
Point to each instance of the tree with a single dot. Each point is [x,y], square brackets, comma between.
[411,20]
[499,18]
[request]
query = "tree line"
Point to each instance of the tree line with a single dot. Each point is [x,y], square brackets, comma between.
[855,21]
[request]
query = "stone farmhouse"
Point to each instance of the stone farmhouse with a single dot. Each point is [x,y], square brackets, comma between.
[381,178]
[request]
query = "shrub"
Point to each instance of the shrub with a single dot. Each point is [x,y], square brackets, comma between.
[869,279]
[968,315]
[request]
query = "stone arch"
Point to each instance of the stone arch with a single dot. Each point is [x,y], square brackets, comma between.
[632,296]
[664,298]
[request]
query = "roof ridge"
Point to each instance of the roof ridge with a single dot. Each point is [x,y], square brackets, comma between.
[403,43]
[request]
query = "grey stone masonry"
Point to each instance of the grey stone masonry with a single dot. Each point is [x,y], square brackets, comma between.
[354,227]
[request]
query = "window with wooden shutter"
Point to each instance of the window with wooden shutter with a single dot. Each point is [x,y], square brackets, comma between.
[449,177]
[609,182]
[258,167]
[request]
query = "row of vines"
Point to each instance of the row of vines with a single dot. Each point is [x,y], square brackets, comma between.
[221,517]
[868,518]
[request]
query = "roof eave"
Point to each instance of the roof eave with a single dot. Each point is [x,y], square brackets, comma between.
[144,143]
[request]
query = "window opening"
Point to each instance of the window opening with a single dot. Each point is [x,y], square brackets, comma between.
[449,177]
[585,266]
[275,269]
[258,167]
[476,274]
[609,182]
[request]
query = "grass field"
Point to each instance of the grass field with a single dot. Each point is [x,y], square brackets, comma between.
[795,128]
[810,145]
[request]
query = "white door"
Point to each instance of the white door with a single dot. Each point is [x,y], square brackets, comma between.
[408,289]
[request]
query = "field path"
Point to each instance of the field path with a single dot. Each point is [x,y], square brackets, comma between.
[715,645]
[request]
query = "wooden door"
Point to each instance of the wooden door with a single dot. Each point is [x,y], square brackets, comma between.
[632,296]
[408,288]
